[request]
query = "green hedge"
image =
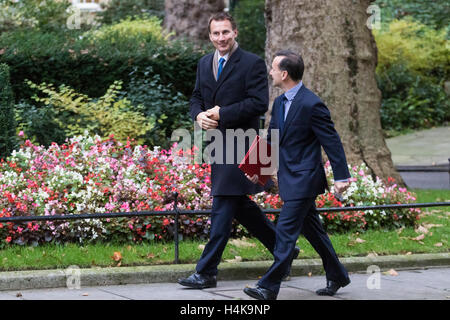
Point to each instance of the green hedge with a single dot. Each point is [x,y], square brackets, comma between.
[92,68]
[413,65]
[116,10]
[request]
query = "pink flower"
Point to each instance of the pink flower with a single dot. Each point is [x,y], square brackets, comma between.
[125,206]
[361,173]
[402,189]
[21,134]
[109,206]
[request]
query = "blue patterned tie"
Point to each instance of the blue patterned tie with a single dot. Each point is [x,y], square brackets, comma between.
[221,62]
[282,110]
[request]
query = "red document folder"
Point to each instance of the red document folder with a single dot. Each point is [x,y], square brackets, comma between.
[253,163]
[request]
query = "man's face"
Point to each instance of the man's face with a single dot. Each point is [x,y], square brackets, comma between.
[222,35]
[277,75]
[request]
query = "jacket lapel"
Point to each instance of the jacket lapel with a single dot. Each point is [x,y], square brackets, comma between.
[234,59]
[209,68]
[293,110]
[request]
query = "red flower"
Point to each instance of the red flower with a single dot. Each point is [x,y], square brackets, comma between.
[8,239]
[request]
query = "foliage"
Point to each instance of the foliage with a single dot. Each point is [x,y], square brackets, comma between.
[249,16]
[429,12]
[7,122]
[116,10]
[413,63]
[163,103]
[38,123]
[105,116]
[411,101]
[423,50]
[91,175]
[12,17]
[45,15]
[90,68]
[128,31]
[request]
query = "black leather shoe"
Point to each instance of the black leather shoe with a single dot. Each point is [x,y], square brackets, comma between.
[294,256]
[332,288]
[199,281]
[261,293]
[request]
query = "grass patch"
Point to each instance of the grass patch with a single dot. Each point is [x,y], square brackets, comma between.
[379,242]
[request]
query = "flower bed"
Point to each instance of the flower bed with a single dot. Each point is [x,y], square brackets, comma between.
[90,175]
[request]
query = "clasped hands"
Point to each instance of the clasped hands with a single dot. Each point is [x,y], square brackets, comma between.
[209,119]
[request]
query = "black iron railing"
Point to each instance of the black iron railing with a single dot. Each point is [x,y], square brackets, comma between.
[177,212]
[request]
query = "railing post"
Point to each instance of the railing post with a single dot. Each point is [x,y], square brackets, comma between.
[177,214]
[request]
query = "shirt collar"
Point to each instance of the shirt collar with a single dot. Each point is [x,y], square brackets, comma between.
[225,57]
[291,93]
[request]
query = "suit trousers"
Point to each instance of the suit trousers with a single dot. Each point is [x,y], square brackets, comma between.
[224,210]
[301,216]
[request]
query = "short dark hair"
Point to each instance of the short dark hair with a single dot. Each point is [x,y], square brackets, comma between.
[292,63]
[220,16]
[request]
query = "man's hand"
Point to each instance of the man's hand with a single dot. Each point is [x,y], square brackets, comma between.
[274,179]
[341,186]
[214,113]
[205,122]
[253,179]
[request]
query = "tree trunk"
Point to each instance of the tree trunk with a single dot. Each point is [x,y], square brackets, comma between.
[190,18]
[340,57]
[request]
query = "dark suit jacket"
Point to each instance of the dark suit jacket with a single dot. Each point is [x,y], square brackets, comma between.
[242,93]
[308,126]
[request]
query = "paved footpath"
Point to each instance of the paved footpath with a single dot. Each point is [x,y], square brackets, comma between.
[420,284]
[427,148]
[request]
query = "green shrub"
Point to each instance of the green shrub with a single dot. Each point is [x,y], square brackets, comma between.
[249,16]
[422,49]
[91,68]
[116,10]
[12,17]
[429,12]
[413,64]
[39,123]
[411,101]
[46,15]
[138,31]
[162,102]
[107,115]
[7,123]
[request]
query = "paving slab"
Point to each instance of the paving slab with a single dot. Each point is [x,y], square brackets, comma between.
[64,294]
[160,291]
[425,147]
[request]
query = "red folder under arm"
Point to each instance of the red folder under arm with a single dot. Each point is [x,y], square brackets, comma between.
[257,158]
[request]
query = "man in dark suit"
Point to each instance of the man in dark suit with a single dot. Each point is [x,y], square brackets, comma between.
[231,92]
[304,125]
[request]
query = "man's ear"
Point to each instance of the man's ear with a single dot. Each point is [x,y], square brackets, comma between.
[284,75]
